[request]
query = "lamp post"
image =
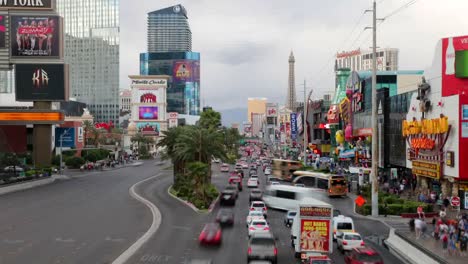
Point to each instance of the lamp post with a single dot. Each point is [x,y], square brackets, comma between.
[61,146]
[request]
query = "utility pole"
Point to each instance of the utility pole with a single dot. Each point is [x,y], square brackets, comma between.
[375,183]
[304,126]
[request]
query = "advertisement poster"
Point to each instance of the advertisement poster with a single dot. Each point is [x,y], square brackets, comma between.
[148,112]
[183,71]
[293,126]
[65,136]
[315,235]
[271,111]
[450,48]
[35,36]
[148,97]
[2,31]
[41,82]
[149,128]
[299,123]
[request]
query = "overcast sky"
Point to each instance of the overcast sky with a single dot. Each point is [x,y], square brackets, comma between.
[245,44]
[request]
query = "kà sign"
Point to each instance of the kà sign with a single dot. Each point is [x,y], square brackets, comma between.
[27,4]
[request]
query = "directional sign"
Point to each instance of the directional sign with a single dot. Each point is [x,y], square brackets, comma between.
[360,201]
[456,201]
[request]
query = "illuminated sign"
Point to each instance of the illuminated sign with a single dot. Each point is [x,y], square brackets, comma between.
[149,82]
[344,109]
[41,82]
[27,4]
[315,211]
[348,54]
[427,169]
[31,117]
[425,127]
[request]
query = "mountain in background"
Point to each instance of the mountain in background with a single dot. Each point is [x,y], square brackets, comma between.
[234,115]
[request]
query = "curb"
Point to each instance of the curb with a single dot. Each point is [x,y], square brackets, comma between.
[26,185]
[210,208]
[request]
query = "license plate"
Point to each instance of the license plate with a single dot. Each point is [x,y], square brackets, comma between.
[227,197]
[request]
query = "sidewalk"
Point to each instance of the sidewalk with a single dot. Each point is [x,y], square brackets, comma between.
[429,245]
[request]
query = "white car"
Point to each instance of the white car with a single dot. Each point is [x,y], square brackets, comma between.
[299,185]
[252,183]
[348,241]
[258,226]
[267,171]
[253,215]
[216,160]
[245,166]
[275,183]
[225,167]
[259,206]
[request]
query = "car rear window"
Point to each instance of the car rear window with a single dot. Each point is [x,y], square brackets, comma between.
[262,241]
[352,237]
[344,226]
[257,191]
[368,258]
[258,223]
[258,205]
[292,213]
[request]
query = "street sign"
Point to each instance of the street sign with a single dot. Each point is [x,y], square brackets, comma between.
[360,201]
[456,201]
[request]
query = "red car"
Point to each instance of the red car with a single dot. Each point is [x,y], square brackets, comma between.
[236,180]
[363,255]
[211,234]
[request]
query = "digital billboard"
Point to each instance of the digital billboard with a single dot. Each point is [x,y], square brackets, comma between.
[35,36]
[27,4]
[149,128]
[148,112]
[2,31]
[293,126]
[41,82]
[148,97]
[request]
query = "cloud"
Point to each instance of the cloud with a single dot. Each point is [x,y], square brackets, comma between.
[239,54]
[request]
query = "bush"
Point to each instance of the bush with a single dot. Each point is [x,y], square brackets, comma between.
[69,153]
[74,162]
[56,160]
[211,192]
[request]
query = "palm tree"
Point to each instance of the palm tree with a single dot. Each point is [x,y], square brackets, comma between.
[197,172]
[88,126]
[168,141]
[96,136]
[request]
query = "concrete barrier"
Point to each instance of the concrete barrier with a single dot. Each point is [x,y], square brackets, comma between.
[26,185]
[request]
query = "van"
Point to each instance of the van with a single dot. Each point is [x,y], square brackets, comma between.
[342,223]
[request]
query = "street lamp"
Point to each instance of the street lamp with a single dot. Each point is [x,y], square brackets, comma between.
[61,146]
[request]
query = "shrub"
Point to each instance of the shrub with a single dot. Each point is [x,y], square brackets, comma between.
[74,162]
[69,153]
[389,200]
[211,192]
[56,160]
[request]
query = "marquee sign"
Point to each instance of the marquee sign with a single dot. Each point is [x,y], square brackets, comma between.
[27,4]
[427,169]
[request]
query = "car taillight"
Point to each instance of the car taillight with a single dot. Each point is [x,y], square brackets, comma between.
[252,228]
[252,209]
[345,242]
[249,251]
[329,190]
[275,251]
[266,228]
[264,208]
[362,243]
[218,235]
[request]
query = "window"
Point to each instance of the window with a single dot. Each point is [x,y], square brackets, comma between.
[344,226]
[285,195]
[322,184]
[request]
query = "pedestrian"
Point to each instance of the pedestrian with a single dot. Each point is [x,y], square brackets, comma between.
[452,246]
[418,225]
[444,243]
[463,243]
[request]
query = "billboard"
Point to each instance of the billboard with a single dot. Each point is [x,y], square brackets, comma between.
[65,137]
[454,64]
[149,128]
[315,235]
[293,126]
[2,31]
[148,97]
[271,111]
[183,71]
[27,4]
[148,112]
[41,82]
[36,36]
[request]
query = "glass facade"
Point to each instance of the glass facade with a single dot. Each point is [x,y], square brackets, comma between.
[183,90]
[92,51]
[7,82]
[168,30]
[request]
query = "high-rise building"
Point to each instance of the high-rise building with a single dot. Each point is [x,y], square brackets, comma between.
[169,53]
[291,96]
[256,106]
[168,30]
[92,51]
[361,60]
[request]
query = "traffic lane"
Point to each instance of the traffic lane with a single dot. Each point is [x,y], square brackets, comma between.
[176,239]
[81,220]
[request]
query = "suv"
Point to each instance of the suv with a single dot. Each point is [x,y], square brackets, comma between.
[363,255]
[262,246]
[255,195]
[228,195]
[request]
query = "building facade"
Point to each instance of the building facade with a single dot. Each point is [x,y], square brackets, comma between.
[92,50]
[125,99]
[169,30]
[361,60]
[255,106]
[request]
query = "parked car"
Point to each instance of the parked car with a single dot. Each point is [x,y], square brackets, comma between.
[262,246]
[225,217]
[252,183]
[299,185]
[365,255]
[258,226]
[267,171]
[289,218]
[211,234]
[346,241]
[238,166]
[255,195]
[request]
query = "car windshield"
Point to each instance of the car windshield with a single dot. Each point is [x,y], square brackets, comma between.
[231,187]
[292,213]
[344,226]
[368,257]
[352,237]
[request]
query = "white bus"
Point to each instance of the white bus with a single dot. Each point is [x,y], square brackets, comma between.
[286,197]
[334,185]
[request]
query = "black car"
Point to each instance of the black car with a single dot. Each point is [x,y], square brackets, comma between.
[225,217]
[228,196]
[262,246]
[256,195]
[252,172]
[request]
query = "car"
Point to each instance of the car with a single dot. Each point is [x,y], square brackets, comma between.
[211,234]
[253,215]
[336,212]
[259,206]
[267,171]
[227,197]
[255,195]
[274,183]
[240,173]
[272,178]
[13,168]
[252,172]
[363,255]
[348,240]
[289,217]
[258,226]
[225,167]
[225,217]
[262,247]
[299,185]
[253,166]
[245,166]
[238,166]
[236,180]
[252,183]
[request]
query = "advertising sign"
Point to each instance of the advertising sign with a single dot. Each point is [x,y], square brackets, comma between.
[148,97]
[36,36]
[66,135]
[452,50]
[2,31]
[41,82]
[80,137]
[183,71]
[149,128]
[315,235]
[315,211]
[333,116]
[173,115]
[293,126]
[427,169]
[271,111]
[27,4]
[148,112]
[299,123]
[173,123]
[148,82]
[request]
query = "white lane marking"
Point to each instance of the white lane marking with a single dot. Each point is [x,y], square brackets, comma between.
[127,254]
[69,240]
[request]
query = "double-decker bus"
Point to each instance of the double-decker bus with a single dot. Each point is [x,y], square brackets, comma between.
[284,169]
[334,185]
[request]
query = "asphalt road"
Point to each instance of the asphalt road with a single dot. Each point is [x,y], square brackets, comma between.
[176,240]
[88,219]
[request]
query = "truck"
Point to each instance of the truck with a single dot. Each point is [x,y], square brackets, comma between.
[311,231]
